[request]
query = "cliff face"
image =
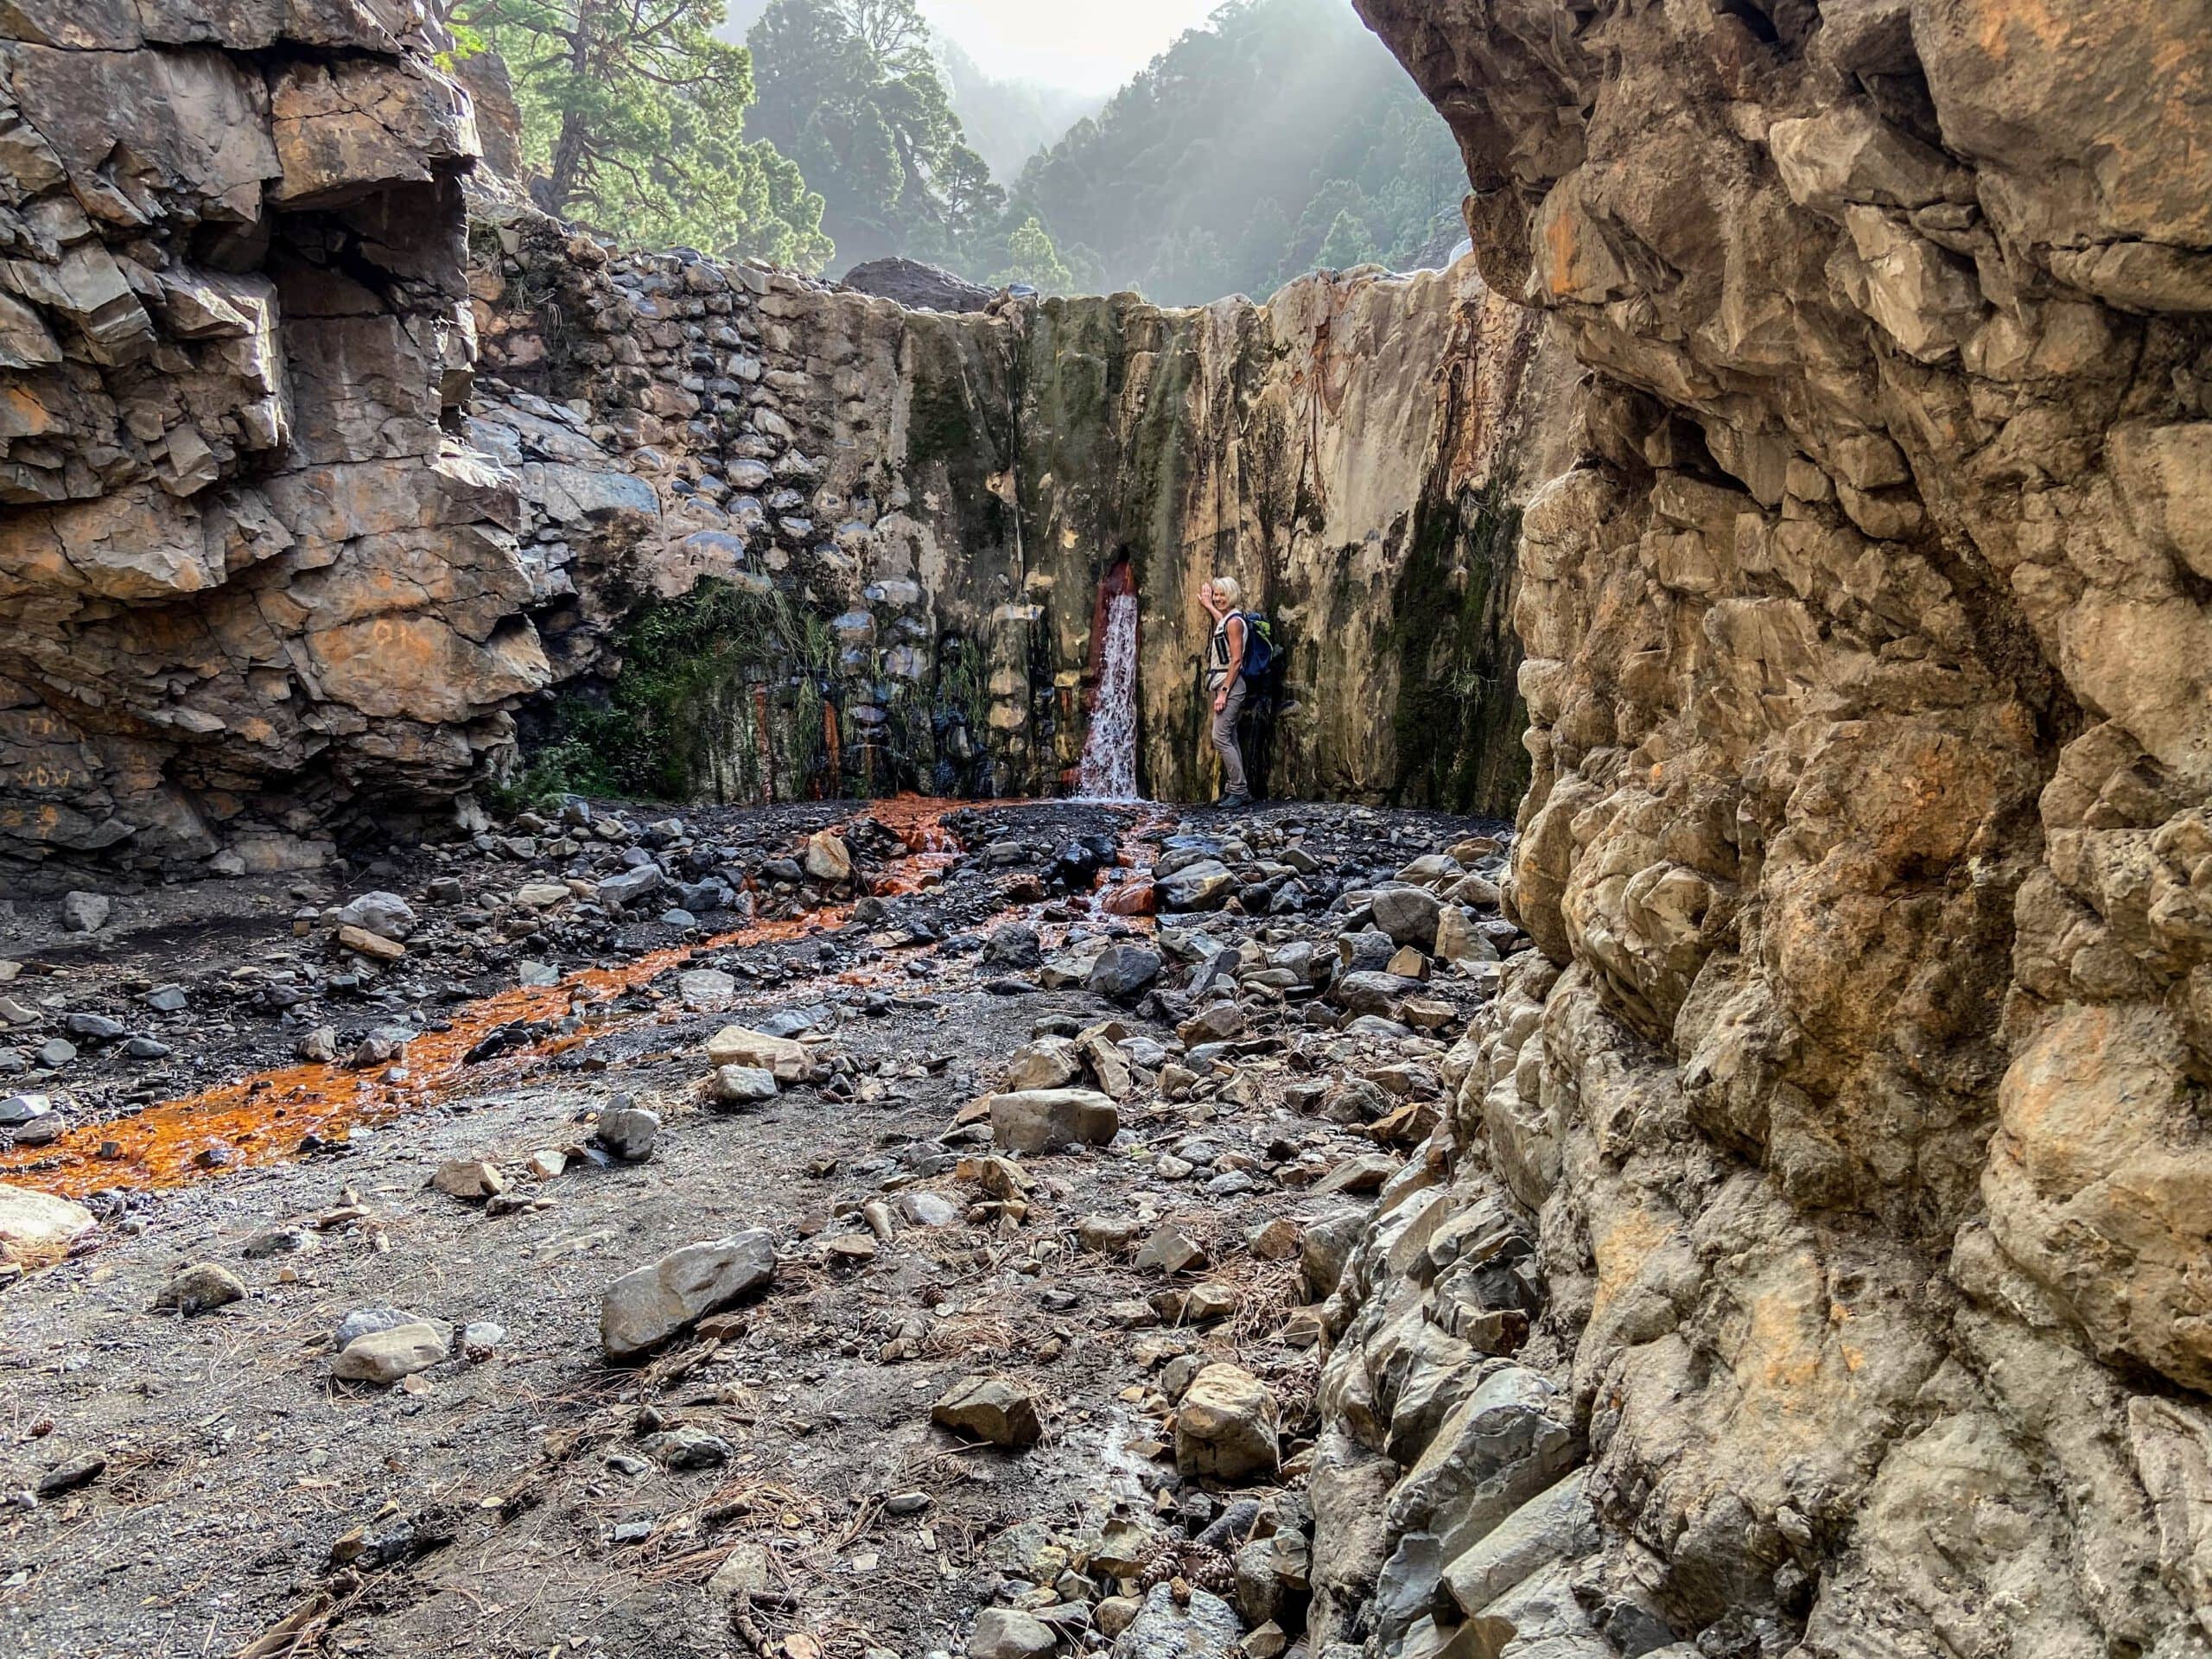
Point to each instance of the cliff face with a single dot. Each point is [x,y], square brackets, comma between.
[1851,1107]
[930,501]
[273,564]
[244,573]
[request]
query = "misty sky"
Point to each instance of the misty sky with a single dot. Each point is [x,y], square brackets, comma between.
[1087,46]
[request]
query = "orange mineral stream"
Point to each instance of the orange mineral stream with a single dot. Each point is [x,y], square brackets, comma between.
[262,1119]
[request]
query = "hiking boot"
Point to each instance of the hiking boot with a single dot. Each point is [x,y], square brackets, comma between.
[1232,803]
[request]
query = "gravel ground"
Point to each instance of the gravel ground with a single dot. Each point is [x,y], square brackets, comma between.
[506,1500]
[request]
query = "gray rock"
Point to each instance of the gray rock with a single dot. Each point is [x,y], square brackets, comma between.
[1049,1120]
[1556,1525]
[84,913]
[362,1320]
[1207,1628]
[1206,884]
[54,1052]
[385,914]
[626,887]
[201,1288]
[1408,915]
[929,1208]
[166,998]
[16,1111]
[742,1085]
[628,1132]
[688,1446]
[645,1307]
[1007,1633]
[1121,971]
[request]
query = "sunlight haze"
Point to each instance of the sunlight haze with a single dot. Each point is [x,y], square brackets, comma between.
[1087,46]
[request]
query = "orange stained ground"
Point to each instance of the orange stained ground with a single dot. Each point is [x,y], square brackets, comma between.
[261,1119]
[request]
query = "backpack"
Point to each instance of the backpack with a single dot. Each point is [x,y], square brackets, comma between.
[1259,647]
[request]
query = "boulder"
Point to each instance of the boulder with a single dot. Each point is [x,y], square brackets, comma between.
[1408,915]
[1206,884]
[381,913]
[1226,1426]
[706,991]
[201,1288]
[1123,971]
[741,1085]
[828,860]
[1460,942]
[1207,1628]
[468,1177]
[627,887]
[1009,1633]
[374,946]
[1048,1062]
[84,913]
[645,1307]
[1049,1120]
[741,1046]
[383,1358]
[628,1132]
[994,1408]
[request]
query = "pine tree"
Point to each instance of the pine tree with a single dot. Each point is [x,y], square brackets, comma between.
[850,89]
[1031,259]
[1349,242]
[633,117]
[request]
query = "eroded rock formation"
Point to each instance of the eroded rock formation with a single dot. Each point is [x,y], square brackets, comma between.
[244,572]
[1851,1107]
[945,491]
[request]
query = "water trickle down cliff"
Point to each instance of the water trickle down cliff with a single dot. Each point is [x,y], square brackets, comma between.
[1108,771]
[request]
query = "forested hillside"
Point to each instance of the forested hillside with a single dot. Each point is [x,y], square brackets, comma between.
[1280,136]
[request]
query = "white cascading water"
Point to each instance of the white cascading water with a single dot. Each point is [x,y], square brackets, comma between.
[1110,750]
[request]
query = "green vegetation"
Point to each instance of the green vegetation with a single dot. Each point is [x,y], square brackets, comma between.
[653,731]
[850,92]
[1031,259]
[633,120]
[1280,137]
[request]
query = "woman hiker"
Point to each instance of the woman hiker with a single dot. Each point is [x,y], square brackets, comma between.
[1225,683]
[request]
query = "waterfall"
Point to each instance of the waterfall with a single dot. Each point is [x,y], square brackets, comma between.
[1109,749]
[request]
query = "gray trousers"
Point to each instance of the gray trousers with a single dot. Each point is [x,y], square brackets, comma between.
[1223,732]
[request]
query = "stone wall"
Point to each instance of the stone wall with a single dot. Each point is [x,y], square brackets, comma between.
[1846,1132]
[944,492]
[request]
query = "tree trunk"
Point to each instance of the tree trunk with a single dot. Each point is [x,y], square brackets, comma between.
[564,176]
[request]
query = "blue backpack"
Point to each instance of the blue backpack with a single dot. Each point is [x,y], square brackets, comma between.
[1259,647]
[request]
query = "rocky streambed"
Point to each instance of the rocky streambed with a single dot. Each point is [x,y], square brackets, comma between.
[828,1231]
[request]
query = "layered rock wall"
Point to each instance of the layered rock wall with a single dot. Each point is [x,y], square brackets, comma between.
[1846,1129]
[245,572]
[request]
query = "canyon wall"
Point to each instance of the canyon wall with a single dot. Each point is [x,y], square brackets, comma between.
[924,504]
[276,568]
[244,574]
[1846,1130]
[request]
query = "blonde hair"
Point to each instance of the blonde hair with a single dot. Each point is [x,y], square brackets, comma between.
[1226,589]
